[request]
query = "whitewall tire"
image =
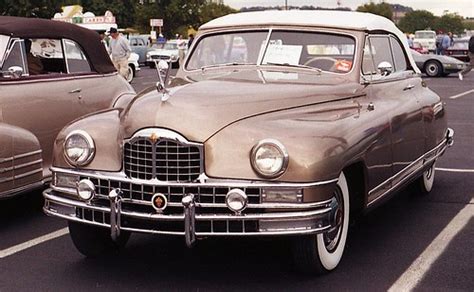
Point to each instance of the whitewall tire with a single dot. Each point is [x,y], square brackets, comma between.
[322,253]
[427,179]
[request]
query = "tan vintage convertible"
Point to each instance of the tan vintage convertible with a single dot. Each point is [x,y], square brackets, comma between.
[281,123]
[50,74]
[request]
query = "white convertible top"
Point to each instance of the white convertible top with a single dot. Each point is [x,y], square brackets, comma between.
[321,18]
[317,18]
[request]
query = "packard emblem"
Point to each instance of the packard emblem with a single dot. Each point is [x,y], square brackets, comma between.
[154,137]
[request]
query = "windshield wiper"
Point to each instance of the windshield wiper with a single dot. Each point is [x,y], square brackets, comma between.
[225,65]
[295,66]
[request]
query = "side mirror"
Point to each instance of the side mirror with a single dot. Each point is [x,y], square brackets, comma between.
[13,72]
[385,68]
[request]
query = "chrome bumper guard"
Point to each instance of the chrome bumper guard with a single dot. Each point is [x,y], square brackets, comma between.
[309,218]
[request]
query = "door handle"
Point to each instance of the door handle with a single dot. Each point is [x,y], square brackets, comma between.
[77,90]
[409,87]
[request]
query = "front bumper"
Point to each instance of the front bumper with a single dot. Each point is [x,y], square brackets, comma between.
[190,213]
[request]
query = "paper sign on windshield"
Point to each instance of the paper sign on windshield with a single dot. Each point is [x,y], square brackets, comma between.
[283,54]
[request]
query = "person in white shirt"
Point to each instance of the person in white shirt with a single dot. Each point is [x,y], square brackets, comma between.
[120,50]
[181,49]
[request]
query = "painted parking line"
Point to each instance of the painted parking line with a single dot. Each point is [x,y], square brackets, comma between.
[25,245]
[415,273]
[455,170]
[461,94]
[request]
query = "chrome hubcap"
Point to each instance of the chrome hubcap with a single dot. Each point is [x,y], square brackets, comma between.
[332,236]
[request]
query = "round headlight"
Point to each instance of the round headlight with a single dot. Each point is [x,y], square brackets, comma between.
[79,148]
[269,158]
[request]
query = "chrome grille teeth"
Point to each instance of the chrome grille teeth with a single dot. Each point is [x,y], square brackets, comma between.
[164,160]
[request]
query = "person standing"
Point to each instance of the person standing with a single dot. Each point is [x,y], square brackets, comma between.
[190,41]
[446,42]
[120,51]
[470,66]
[181,49]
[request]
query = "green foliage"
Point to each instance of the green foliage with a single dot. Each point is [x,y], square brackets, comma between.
[449,22]
[382,9]
[177,15]
[417,20]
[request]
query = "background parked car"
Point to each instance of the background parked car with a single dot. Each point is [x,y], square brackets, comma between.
[460,49]
[437,65]
[419,48]
[49,76]
[133,66]
[167,52]
[427,39]
[140,46]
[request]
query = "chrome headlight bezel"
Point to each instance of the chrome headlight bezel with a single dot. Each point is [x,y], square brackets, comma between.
[90,148]
[282,152]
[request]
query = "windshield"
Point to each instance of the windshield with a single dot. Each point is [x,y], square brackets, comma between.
[325,51]
[3,46]
[425,35]
[170,46]
[460,45]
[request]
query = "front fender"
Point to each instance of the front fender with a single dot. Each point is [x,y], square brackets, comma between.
[104,128]
[320,140]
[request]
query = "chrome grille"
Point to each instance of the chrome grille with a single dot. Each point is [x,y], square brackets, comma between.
[141,194]
[164,160]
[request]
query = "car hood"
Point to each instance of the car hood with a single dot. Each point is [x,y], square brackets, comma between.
[198,110]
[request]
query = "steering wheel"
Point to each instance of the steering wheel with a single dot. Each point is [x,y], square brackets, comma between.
[324,58]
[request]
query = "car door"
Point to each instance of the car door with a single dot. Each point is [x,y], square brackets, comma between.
[41,104]
[391,93]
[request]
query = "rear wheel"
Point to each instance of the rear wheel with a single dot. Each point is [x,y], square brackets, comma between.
[433,68]
[94,241]
[322,253]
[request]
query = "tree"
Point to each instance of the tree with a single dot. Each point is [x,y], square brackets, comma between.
[449,22]
[417,20]
[382,9]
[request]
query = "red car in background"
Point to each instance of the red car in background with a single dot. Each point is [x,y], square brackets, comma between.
[459,50]
[419,48]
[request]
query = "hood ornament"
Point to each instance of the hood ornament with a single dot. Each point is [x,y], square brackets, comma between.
[163,69]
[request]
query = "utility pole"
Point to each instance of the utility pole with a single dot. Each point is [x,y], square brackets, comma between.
[286,4]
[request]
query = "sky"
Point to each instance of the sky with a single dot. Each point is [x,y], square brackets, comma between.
[437,7]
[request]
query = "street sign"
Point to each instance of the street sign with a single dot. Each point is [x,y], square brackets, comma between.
[156,22]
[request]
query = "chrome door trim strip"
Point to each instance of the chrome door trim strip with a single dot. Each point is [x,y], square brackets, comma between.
[425,159]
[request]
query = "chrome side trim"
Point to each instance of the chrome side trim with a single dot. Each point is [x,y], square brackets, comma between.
[427,158]
[20,156]
[20,166]
[120,176]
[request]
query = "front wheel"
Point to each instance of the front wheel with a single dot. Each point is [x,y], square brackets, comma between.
[426,181]
[94,241]
[322,253]
[433,69]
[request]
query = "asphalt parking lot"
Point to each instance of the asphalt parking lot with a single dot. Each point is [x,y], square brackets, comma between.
[411,242]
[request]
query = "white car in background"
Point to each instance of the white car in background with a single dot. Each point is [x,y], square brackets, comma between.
[133,66]
[168,52]
[426,38]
